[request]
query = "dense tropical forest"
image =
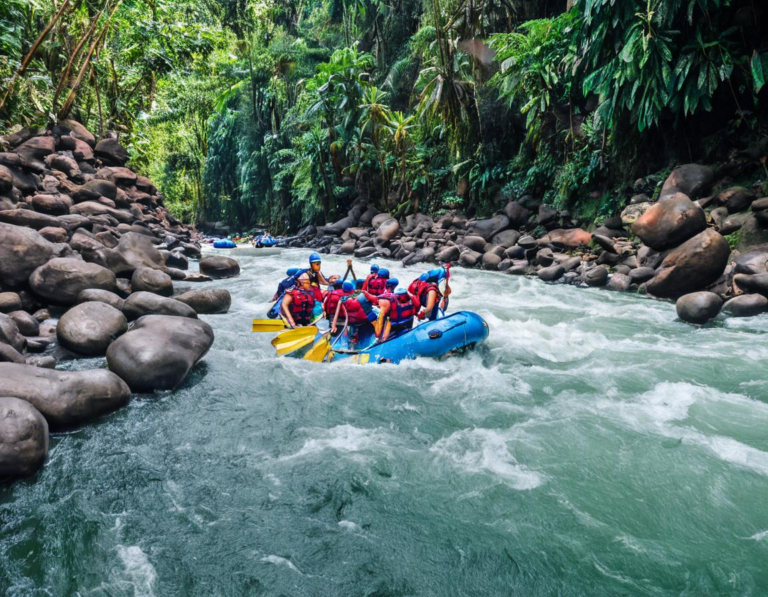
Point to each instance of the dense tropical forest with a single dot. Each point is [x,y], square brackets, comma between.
[283,112]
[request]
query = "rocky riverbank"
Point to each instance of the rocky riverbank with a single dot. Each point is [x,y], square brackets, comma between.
[671,247]
[91,264]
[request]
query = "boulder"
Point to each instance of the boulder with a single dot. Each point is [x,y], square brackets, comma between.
[692,266]
[8,354]
[35,150]
[76,130]
[66,165]
[634,212]
[551,273]
[752,283]
[736,199]
[347,248]
[28,325]
[54,235]
[23,438]
[28,218]
[61,280]
[670,222]
[470,258]
[547,214]
[641,275]
[692,180]
[159,351]
[65,398]
[9,333]
[570,239]
[208,301]
[387,230]
[9,301]
[698,307]
[151,280]
[139,304]
[746,305]
[597,276]
[94,208]
[101,296]
[475,243]
[368,215]
[448,254]
[379,219]
[133,251]
[218,266]
[111,152]
[491,261]
[489,227]
[89,328]
[517,214]
[506,238]
[52,205]
[337,228]
[619,282]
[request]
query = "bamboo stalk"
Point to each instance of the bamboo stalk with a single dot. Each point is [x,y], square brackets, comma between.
[28,58]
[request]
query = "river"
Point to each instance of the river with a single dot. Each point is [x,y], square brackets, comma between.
[594,446]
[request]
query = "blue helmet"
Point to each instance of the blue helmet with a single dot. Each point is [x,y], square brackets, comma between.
[338,284]
[401,291]
[359,283]
[383,273]
[292,271]
[436,274]
[392,282]
[374,268]
[315,258]
[347,287]
[424,277]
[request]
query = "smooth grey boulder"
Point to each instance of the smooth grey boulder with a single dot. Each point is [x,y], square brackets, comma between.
[447,254]
[551,273]
[22,251]
[746,305]
[752,262]
[517,214]
[8,354]
[177,259]
[491,261]
[489,227]
[597,276]
[670,222]
[9,301]
[152,280]
[698,307]
[101,296]
[23,438]
[208,301]
[159,351]
[752,283]
[641,275]
[111,152]
[218,266]
[28,325]
[139,304]
[690,179]
[65,398]
[89,328]
[692,266]
[9,333]
[388,229]
[469,258]
[475,243]
[619,282]
[506,238]
[62,280]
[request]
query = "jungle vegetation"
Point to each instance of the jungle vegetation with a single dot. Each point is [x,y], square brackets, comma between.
[283,112]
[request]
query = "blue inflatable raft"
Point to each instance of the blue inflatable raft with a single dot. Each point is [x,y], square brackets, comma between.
[434,339]
[264,241]
[224,244]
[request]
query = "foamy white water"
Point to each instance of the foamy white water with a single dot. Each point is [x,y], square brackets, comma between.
[594,446]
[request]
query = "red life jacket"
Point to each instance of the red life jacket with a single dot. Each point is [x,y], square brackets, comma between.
[368,279]
[302,305]
[377,286]
[332,301]
[401,308]
[358,308]
[424,290]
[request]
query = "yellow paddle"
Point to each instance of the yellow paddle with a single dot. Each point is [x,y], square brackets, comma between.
[294,342]
[295,334]
[268,325]
[319,351]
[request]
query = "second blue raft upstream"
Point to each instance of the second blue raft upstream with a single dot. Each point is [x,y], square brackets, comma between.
[433,339]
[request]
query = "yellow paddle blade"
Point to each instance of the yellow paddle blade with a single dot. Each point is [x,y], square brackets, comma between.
[289,347]
[295,334]
[319,351]
[268,325]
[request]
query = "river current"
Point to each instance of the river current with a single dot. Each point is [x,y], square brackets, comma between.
[594,446]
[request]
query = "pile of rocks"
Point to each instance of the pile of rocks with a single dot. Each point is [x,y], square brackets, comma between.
[89,260]
[672,247]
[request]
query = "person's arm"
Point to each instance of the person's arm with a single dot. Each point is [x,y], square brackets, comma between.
[321,279]
[286,307]
[374,299]
[365,284]
[336,318]
[385,307]
[431,300]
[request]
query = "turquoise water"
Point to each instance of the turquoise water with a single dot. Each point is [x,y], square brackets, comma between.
[595,446]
